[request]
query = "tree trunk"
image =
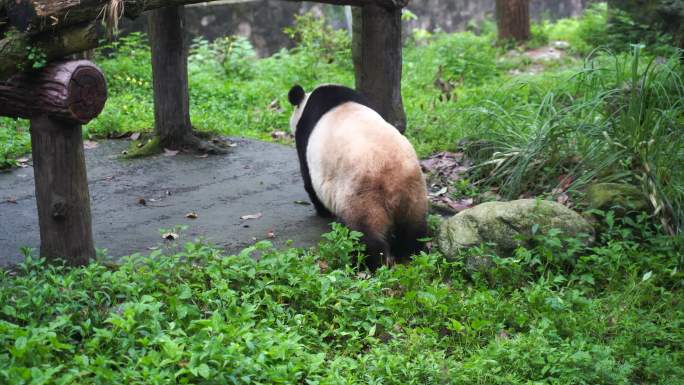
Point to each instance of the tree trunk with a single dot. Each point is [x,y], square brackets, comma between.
[170,77]
[376,50]
[61,190]
[513,19]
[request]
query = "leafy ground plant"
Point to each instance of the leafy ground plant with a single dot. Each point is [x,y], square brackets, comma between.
[553,314]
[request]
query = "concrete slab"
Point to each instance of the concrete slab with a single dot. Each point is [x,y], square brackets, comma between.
[256,177]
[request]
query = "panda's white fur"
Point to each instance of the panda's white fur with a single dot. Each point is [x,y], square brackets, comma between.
[356,139]
[361,170]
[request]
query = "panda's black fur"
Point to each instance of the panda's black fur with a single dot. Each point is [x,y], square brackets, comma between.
[321,100]
[403,237]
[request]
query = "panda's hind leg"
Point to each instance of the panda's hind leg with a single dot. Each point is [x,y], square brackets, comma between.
[410,225]
[406,241]
[374,225]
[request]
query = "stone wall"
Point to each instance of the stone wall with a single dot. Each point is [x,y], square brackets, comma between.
[456,15]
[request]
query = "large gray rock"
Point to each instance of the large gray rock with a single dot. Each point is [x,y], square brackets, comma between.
[503,224]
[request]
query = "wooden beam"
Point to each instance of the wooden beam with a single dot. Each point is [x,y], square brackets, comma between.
[35,16]
[49,46]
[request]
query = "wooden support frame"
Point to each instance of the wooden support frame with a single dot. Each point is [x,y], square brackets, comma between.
[377,47]
[57,100]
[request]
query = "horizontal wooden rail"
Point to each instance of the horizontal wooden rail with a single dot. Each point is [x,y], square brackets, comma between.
[35,16]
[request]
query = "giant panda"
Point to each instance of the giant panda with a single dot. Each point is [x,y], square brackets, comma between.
[360,169]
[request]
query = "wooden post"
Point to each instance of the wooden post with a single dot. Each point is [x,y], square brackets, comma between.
[61,190]
[58,99]
[170,77]
[377,60]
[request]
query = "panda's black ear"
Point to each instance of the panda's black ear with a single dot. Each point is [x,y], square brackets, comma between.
[296,95]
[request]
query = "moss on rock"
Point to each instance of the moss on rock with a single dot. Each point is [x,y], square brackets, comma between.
[616,196]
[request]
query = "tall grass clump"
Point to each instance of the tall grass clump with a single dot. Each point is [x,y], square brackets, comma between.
[620,121]
[644,111]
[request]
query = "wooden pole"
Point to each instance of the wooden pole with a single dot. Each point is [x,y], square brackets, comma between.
[61,190]
[57,100]
[170,77]
[376,50]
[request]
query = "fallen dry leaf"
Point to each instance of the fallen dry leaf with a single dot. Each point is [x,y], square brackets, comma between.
[11,200]
[134,136]
[279,135]
[303,203]
[191,215]
[323,265]
[271,234]
[275,106]
[142,201]
[170,236]
[441,191]
[251,216]
[90,144]
[565,181]
[168,152]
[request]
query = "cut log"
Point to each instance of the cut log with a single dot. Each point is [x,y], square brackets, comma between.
[14,49]
[62,193]
[74,91]
[34,16]
[376,50]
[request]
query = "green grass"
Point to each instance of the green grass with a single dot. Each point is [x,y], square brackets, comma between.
[553,314]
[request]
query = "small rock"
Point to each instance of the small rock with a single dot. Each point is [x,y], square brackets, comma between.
[560,44]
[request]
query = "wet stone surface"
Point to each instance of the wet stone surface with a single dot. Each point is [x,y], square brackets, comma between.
[132,199]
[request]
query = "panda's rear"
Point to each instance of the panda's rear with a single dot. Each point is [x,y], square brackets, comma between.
[361,169]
